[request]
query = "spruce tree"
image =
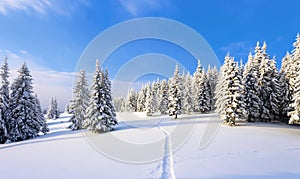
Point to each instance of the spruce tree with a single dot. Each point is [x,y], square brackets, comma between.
[131,101]
[80,101]
[174,94]
[204,94]
[187,94]
[24,123]
[163,103]
[150,100]
[295,113]
[53,111]
[100,114]
[141,101]
[4,101]
[229,102]
[197,86]
[251,88]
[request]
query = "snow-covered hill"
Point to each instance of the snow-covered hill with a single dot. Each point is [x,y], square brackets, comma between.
[248,150]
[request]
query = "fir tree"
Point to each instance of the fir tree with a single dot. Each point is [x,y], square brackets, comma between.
[24,123]
[80,101]
[174,94]
[4,101]
[150,100]
[229,102]
[197,86]
[53,111]
[163,103]
[100,114]
[294,115]
[187,94]
[251,88]
[131,102]
[141,101]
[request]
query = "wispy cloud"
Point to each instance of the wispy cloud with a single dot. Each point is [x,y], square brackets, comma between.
[239,49]
[139,7]
[27,6]
[62,7]
[47,83]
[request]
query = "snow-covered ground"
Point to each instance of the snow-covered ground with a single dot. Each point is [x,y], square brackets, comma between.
[200,148]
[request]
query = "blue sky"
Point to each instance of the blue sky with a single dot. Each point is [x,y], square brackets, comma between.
[51,34]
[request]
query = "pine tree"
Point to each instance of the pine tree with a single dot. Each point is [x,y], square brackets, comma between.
[100,114]
[204,96]
[197,86]
[163,103]
[174,94]
[131,102]
[266,75]
[4,101]
[24,123]
[229,102]
[80,101]
[141,101]
[150,100]
[251,88]
[294,115]
[44,126]
[53,111]
[187,94]
[212,77]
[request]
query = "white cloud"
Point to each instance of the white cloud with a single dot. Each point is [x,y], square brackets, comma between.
[62,7]
[27,6]
[47,82]
[138,7]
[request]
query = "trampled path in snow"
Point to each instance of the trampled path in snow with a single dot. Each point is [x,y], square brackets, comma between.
[167,164]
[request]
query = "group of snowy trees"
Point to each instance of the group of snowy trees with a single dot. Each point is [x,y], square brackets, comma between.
[21,115]
[258,91]
[183,93]
[53,110]
[93,109]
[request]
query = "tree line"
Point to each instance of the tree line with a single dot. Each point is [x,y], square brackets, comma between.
[256,91]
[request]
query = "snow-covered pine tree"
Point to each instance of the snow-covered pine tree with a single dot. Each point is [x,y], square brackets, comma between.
[4,101]
[229,103]
[80,101]
[174,93]
[266,75]
[197,86]
[99,115]
[150,100]
[53,111]
[109,109]
[24,123]
[212,76]
[141,101]
[187,93]
[131,101]
[163,103]
[204,96]
[44,126]
[285,97]
[295,113]
[251,87]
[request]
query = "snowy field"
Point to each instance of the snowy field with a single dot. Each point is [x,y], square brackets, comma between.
[200,148]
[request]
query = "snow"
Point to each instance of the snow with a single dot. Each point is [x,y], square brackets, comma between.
[208,150]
